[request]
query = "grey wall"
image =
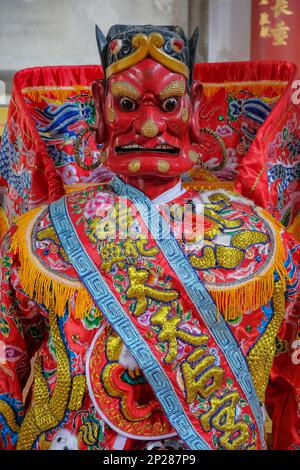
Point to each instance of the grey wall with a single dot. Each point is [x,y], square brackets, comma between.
[61,32]
[54,32]
[229,30]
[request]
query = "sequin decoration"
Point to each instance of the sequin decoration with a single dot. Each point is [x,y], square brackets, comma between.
[163,166]
[260,357]
[149,128]
[174,89]
[47,411]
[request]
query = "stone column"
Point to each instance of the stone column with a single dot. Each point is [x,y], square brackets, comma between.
[61,32]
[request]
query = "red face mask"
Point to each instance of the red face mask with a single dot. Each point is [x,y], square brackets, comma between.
[147,113]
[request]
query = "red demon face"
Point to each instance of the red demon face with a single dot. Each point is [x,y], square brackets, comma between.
[147,112]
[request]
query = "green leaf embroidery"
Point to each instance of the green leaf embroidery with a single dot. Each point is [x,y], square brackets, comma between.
[4,327]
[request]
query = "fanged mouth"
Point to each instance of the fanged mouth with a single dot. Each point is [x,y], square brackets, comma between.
[161,148]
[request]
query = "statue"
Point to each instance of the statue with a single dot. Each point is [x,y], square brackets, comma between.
[156,315]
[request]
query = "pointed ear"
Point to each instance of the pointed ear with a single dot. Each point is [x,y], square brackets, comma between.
[196,92]
[196,97]
[98,89]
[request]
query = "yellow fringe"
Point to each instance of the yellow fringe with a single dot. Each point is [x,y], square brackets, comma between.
[40,284]
[259,88]
[4,224]
[233,302]
[72,188]
[38,93]
[205,180]
[48,289]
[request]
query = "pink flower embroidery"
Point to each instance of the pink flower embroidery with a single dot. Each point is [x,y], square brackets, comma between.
[98,206]
[224,131]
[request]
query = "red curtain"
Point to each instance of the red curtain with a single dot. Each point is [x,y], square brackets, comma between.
[275,30]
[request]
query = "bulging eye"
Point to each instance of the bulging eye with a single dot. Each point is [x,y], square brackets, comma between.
[126,104]
[170,104]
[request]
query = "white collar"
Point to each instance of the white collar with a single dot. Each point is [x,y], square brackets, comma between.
[170,194]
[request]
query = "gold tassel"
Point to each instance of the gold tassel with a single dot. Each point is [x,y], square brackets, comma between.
[236,301]
[233,302]
[259,88]
[39,93]
[42,285]
[261,356]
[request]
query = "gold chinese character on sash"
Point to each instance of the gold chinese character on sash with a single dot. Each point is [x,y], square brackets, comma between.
[138,289]
[120,252]
[103,229]
[264,2]
[222,416]
[143,250]
[280,34]
[112,253]
[281,7]
[171,332]
[200,375]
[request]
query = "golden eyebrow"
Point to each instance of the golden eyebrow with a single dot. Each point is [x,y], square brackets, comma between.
[119,89]
[176,88]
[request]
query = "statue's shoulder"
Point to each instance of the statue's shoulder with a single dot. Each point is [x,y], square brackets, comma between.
[81,206]
[241,253]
